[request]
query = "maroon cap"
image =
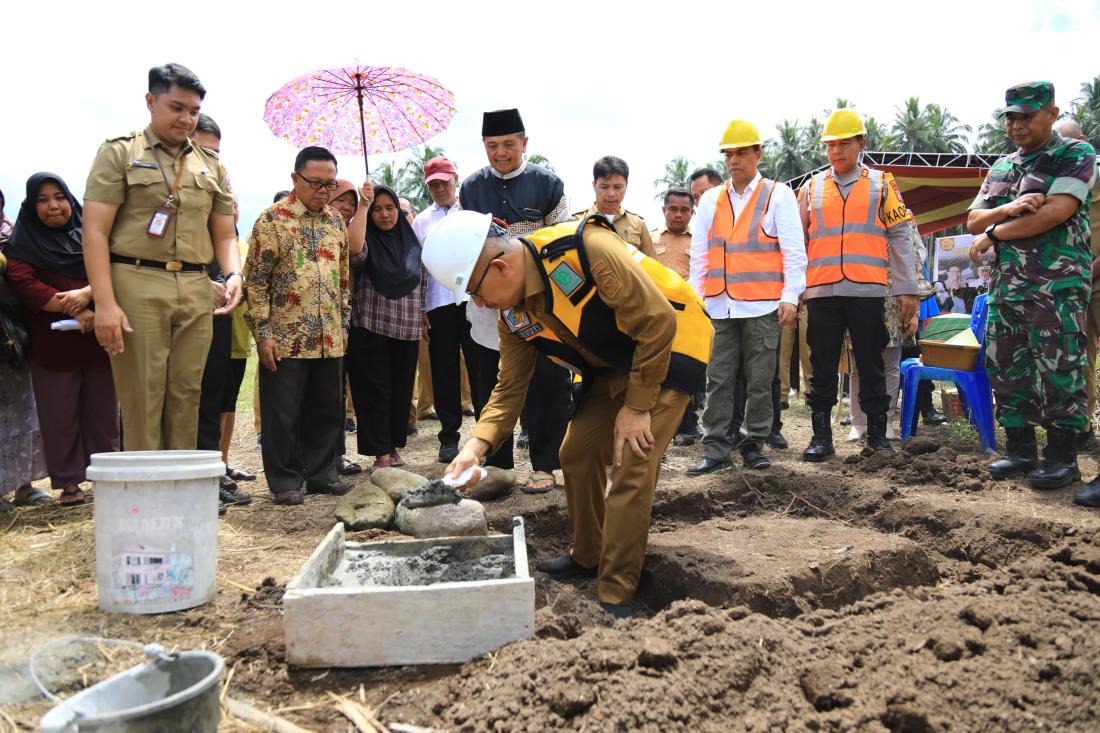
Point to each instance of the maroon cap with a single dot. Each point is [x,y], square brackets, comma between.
[439,169]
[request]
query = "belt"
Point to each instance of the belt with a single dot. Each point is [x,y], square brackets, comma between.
[170,266]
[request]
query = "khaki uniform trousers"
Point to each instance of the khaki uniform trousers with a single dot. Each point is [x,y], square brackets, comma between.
[159,373]
[1092,329]
[786,346]
[611,526]
[804,347]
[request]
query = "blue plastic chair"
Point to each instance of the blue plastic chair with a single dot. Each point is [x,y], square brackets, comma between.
[973,386]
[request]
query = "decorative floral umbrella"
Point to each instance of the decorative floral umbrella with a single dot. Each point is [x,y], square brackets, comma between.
[360,109]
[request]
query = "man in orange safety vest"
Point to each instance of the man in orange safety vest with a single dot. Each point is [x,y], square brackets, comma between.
[748,263]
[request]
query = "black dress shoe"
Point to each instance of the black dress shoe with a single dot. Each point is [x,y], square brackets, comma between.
[618,610]
[349,425]
[523,441]
[233,497]
[564,567]
[447,452]
[1089,494]
[684,439]
[777,441]
[468,413]
[932,416]
[337,488]
[226,483]
[412,430]
[292,497]
[754,457]
[708,465]
[349,468]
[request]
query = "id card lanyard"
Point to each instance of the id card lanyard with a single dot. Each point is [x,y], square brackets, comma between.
[158,225]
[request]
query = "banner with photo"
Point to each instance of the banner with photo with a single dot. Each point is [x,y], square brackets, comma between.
[956,280]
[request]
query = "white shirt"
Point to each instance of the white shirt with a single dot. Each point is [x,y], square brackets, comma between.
[781,220]
[436,295]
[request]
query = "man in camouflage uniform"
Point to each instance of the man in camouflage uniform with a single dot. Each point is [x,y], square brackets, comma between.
[1033,208]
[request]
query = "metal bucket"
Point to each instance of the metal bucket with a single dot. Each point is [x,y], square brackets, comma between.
[175,693]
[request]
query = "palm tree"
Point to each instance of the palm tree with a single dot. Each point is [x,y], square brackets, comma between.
[992,137]
[413,172]
[677,175]
[783,154]
[813,152]
[1086,110]
[540,160]
[397,178]
[879,138]
[947,134]
[911,127]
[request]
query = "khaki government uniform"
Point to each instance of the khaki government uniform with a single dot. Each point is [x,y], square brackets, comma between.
[631,227]
[610,532]
[159,372]
[673,250]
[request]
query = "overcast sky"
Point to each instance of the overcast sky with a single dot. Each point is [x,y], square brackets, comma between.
[644,82]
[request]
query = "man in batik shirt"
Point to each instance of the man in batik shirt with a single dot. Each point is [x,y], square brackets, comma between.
[298,299]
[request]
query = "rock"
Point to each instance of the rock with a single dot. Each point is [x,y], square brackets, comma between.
[823,686]
[657,654]
[497,484]
[433,493]
[365,507]
[396,482]
[466,518]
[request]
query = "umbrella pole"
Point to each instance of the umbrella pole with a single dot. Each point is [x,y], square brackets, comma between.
[362,125]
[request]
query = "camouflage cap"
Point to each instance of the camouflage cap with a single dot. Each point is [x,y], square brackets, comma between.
[1029,97]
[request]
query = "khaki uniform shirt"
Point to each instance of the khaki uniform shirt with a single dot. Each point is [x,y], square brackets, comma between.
[673,250]
[631,228]
[641,310]
[128,171]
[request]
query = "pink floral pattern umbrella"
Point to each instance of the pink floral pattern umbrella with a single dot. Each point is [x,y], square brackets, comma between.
[360,109]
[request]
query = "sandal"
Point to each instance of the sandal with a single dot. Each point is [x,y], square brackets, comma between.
[539,482]
[238,474]
[27,495]
[396,459]
[72,496]
[381,462]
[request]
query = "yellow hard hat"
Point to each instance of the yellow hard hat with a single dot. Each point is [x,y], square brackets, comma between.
[842,124]
[740,134]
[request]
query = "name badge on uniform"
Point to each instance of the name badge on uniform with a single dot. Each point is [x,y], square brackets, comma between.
[159,223]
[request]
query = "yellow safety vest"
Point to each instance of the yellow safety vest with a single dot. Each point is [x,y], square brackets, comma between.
[572,298]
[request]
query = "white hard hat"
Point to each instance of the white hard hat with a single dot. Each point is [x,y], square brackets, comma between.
[452,248]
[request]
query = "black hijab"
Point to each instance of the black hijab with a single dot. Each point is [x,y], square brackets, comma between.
[393,257]
[53,250]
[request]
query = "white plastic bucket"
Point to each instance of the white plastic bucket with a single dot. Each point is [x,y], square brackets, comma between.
[156,529]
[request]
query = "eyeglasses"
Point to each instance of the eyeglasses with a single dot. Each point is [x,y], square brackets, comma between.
[473,293]
[318,185]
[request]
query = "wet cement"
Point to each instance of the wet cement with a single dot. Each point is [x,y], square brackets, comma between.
[439,563]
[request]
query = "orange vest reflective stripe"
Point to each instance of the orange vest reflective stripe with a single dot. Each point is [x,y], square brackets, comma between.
[743,261]
[847,236]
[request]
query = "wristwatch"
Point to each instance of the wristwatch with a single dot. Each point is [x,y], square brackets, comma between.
[989,233]
[231,274]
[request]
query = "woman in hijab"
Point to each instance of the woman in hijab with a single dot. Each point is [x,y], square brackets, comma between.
[77,407]
[386,325]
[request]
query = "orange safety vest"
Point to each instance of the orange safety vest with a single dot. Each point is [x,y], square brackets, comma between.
[743,260]
[847,243]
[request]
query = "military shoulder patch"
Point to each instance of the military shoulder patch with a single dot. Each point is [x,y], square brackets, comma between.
[566,278]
